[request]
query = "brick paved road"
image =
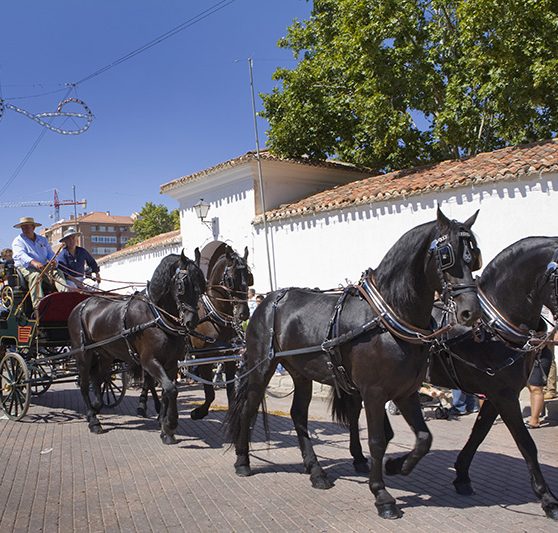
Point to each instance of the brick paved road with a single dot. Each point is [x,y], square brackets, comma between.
[56,476]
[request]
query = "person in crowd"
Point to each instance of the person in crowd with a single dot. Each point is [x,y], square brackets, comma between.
[259,299]
[34,258]
[6,266]
[252,304]
[538,379]
[536,384]
[73,259]
[463,403]
[550,388]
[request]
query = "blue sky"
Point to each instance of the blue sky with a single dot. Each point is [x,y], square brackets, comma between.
[181,106]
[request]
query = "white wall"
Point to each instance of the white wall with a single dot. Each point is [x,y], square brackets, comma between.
[328,249]
[131,272]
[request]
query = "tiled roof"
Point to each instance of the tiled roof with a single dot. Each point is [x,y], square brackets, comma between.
[159,241]
[100,217]
[508,163]
[252,156]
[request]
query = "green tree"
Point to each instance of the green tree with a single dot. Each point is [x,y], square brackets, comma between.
[152,221]
[476,76]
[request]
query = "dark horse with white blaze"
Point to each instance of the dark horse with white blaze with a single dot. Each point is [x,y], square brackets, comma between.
[221,309]
[382,366]
[139,333]
[495,359]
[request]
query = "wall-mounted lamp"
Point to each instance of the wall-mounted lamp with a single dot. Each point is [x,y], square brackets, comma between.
[202,209]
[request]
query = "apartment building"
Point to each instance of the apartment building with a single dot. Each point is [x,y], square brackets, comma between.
[101,232]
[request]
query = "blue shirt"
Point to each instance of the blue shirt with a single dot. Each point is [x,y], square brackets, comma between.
[25,250]
[74,265]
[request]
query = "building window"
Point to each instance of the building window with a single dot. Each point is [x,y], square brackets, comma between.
[124,240]
[101,228]
[110,228]
[103,251]
[123,228]
[102,239]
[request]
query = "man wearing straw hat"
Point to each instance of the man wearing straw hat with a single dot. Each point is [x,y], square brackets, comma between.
[73,258]
[35,259]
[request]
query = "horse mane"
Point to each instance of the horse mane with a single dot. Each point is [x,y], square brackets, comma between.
[160,283]
[498,273]
[399,271]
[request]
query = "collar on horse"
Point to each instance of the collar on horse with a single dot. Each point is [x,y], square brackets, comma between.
[389,319]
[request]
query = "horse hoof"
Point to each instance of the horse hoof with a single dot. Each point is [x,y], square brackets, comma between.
[389,511]
[168,439]
[322,482]
[361,467]
[142,411]
[463,488]
[243,471]
[551,511]
[198,414]
[97,429]
[393,466]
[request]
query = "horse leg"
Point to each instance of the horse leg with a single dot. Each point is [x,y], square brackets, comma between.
[360,463]
[168,416]
[147,387]
[375,413]
[412,413]
[299,414]
[230,374]
[204,372]
[510,411]
[245,409]
[483,423]
[85,364]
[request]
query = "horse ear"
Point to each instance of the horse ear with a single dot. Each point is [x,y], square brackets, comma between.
[245,253]
[183,258]
[470,221]
[197,255]
[443,220]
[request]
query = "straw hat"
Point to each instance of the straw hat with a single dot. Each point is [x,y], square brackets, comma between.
[27,220]
[69,232]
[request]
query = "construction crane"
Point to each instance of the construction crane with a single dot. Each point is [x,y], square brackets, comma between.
[56,203]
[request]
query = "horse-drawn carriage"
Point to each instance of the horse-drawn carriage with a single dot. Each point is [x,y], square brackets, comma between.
[35,349]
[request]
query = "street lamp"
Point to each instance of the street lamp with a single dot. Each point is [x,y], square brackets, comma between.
[202,209]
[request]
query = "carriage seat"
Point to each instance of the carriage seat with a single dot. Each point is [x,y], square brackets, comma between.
[57,306]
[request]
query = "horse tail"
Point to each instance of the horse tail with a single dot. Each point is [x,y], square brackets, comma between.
[233,419]
[340,403]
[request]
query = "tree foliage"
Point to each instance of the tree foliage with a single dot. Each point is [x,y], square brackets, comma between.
[152,221]
[475,75]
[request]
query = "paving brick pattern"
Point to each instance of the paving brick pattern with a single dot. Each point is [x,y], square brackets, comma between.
[57,477]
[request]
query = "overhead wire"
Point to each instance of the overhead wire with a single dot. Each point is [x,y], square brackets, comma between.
[73,86]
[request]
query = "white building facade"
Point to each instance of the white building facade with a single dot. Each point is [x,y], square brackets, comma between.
[326,223]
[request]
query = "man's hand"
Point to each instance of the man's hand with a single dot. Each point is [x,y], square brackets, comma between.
[36,264]
[98,277]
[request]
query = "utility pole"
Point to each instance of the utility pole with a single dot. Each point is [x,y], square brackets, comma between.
[260,177]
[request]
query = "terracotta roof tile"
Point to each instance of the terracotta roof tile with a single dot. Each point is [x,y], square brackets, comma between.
[508,163]
[251,156]
[102,217]
[159,241]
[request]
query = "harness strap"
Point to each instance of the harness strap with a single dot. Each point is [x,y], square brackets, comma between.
[391,322]
[508,332]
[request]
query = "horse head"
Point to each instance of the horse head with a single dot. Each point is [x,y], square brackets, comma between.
[188,284]
[452,258]
[236,279]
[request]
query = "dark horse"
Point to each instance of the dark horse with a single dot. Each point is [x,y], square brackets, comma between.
[436,256]
[139,332]
[516,283]
[221,309]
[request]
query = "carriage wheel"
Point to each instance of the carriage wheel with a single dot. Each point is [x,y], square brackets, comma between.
[114,388]
[14,386]
[41,377]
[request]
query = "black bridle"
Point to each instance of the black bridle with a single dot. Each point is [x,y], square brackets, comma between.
[186,291]
[443,252]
